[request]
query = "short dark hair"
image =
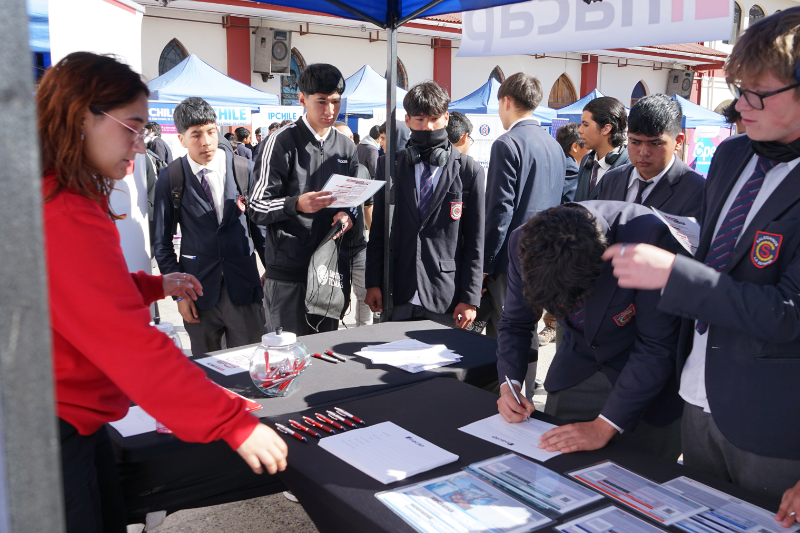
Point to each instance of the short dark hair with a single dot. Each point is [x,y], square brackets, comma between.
[608,110]
[459,125]
[230,136]
[285,122]
[191,112]
[321,78]
[561,258]
[381,130]
[730,113]
[426,98]
[242,133]
[567,135]
[654,115]
[154,127]
[375,132]
[258,131]
[339,123]
[274,126]
[524,90]
[356,138]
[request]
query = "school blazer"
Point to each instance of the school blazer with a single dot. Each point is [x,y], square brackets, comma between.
[753,310]
[585,173]
[625,336]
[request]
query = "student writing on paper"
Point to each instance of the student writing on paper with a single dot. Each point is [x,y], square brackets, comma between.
[614,371]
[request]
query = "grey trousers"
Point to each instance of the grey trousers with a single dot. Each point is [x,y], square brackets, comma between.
[285,307]
[241,325]
[584,401]
[362,312]
[705,448]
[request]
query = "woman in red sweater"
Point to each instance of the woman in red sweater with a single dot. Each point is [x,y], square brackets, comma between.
[92,110]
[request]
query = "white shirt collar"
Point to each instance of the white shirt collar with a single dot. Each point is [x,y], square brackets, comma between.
[215,165]
[523,118]
[316,135]
[636,176]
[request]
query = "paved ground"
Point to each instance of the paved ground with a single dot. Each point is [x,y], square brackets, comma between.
[270,514]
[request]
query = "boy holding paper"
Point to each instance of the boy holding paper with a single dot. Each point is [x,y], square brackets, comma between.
[290,170]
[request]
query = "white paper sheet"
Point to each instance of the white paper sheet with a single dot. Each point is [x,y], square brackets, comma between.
[522,438]
[410,355]
[351,192]
[386,452]
[608,520]
[136,422]
[229,363]
[686,230]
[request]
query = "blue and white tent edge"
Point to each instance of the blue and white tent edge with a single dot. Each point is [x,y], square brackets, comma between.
[574,111]
[366,90]
[695,116]
[484,101]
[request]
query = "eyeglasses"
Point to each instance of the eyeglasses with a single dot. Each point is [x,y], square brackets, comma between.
[471,140]
[140,134]
[756,100]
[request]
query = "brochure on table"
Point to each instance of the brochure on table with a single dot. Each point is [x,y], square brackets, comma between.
[522,438]
[229,363]
[608,520]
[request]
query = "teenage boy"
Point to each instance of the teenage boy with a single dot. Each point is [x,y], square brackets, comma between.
[438,221]
[574,150]
[367,151]
[218,244]
[739,295]
[243,148]
[157,145]
[293,166]
[602,131]
[614,371]
[459,131]
[655,177]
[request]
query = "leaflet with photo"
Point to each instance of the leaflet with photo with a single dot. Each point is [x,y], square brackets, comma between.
[351,192]
[649,498]
[608,520]
[534,484]
[461,503]
[726,513]
[686,230]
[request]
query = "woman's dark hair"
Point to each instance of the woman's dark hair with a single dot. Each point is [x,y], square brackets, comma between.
[321,78]
[524,90]
[192,112]
[608,110]
[426,98]
[78,82]
[560,255]
[655,115]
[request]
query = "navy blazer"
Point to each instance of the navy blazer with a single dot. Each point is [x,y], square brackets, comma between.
[570,180]
[526,175]
[625,336]
[753,312]
[209,249]
[678,192]
[441,255]
[585,173]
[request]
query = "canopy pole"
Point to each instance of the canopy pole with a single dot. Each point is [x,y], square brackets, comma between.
[388,189]
[418,12]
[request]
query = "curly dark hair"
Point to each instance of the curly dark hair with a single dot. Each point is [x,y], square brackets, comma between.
[560,254]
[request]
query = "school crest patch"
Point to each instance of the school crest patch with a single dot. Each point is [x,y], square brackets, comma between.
[624,317]
[241,203]
[765,249]
[455,210]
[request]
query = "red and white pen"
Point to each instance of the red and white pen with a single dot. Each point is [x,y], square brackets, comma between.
[336,355]
[284,429]
[318,425]
[324,357]
[354,417]
[301,427]
[340,418]
[327,420]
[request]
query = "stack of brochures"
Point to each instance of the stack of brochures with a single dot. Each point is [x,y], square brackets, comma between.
[410,355]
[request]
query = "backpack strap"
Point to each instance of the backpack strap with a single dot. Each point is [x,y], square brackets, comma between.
[241,173]
[176,182]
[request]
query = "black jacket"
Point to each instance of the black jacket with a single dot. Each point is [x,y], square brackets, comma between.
[160,147]
[585,173]
[292,162]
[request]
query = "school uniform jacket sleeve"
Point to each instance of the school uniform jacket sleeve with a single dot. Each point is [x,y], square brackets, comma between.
[500,193]
[473,232]
[163,213]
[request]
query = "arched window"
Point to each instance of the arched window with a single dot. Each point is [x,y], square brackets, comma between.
[755,14]
[638,92]
[737,24]
[562,94]
[289,88]
[497,73]
[402,75]
[171,55]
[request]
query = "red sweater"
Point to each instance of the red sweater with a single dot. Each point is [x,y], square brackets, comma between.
[104,350]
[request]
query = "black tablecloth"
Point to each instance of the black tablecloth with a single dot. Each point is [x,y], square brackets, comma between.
[340,498]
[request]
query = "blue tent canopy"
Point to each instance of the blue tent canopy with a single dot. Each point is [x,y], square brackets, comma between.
[364,91]
[574,111]
[695,115]
[38,26]
[484,101]
[195,77]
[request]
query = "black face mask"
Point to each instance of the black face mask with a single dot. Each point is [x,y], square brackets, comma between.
[776,151]
[426,141]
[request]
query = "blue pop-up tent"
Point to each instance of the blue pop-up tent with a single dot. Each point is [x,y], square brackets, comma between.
[695,116]
[574,111]
[484,101]
[195,77]
[364,91]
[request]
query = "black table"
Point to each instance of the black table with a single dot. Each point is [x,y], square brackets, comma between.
[160,472]
[340,498]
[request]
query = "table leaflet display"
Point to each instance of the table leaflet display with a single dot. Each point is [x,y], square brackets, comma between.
[608,520]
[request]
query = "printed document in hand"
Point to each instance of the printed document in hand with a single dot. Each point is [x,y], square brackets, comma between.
[351,192]
[608,520]
[686,230]
[229,363]
[726,513]
[650,499]
[136,422]
[410,355]
[460,503]
[386,452]
[522,438]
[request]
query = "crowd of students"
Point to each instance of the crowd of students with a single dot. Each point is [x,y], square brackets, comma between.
[656,347]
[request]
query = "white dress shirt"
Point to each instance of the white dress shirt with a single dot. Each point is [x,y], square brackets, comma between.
[316,135]
[435,173]
[215,174]
[633,183]
[693,378]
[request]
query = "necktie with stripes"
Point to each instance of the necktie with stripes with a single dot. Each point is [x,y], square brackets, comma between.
[425,189]
[206,188]
[595,169]
[642,186]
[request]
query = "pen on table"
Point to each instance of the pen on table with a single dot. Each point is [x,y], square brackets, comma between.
[301,427]
[514,392]
[354,417]
[318,425]
[284,429]
[333,423]
[324,357]
[336,356]
[340,418]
